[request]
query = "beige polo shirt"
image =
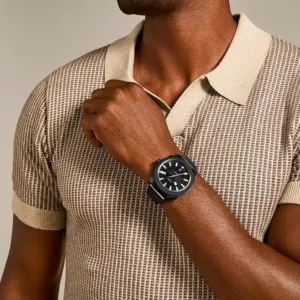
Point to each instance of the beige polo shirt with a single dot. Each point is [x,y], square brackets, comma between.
[240,124]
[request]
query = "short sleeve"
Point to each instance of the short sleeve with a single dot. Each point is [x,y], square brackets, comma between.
[36,200]
[291,193]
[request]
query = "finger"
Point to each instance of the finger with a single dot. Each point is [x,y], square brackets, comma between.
[91,138]
[114,83]
[105,93]
[87,108]
[94,106]
[87,124]
[90,122]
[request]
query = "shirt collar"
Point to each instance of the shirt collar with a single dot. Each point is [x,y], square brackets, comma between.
[234,76]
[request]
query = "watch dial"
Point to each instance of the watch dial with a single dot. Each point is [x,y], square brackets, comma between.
[174,176]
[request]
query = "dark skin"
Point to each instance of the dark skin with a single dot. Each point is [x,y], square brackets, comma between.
[234,264]
[170,50]
[34,266]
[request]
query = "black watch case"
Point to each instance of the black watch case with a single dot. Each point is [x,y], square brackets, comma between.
[171,177]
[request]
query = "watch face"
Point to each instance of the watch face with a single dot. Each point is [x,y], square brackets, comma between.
[173,176]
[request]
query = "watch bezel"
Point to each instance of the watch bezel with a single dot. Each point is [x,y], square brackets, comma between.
[161,187]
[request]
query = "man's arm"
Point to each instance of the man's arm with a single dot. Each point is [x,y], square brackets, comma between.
[34,265]
[284,232]
[235,265]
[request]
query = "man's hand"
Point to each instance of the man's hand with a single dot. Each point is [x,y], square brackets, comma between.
[129,124]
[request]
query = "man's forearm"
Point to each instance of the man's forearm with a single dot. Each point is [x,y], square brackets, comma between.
[20,289]
[18,284]
[235,265]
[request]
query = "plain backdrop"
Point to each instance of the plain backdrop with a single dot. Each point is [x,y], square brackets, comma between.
[37,36]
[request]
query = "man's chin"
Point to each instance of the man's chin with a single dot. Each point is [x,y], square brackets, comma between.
[143,7]
[129,7]
[132,11]
[137,11]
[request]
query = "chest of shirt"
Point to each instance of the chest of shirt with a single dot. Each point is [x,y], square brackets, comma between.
[244,153]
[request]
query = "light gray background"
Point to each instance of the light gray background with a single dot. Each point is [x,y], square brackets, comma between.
[37,37]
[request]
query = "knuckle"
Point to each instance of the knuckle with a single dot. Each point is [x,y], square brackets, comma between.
[98,121]
[134,88]
[118,93]
[85,126]
[83,121]
[86,103]
[94,93]
[89,106]
[105,105]
[109,82]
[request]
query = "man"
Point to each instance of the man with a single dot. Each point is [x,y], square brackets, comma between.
[163,166]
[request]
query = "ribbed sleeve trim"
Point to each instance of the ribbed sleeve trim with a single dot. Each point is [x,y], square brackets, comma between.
[291,193]
[37,218]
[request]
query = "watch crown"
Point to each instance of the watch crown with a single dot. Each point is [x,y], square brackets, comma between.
[158,160]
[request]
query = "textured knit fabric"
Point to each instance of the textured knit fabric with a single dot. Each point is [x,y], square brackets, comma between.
[240,124]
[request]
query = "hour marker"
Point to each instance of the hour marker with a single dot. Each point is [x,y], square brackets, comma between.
[176,164]
[161,178]
[165,184]
[170,164]
[175,183]
[182,185]
[185,179]
[176,188]
[170,188]
[164,166]
[162,172]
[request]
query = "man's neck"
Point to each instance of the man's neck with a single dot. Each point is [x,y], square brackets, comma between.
[177,49]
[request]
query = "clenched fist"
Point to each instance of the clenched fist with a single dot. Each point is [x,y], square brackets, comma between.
[129,124]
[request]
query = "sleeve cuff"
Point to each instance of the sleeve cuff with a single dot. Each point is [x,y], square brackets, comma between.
[37,218]
[291,193]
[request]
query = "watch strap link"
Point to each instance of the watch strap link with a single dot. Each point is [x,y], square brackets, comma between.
[154,194]
[191,164]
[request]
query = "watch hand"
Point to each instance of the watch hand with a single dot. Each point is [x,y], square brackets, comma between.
[178,175]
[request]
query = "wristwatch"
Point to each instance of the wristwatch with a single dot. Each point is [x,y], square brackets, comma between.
[171,178]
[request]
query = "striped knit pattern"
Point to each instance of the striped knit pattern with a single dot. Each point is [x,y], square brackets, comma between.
[119,244]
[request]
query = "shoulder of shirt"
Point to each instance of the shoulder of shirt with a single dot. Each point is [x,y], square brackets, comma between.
[62,92]
[80,66]
[284,62]
[74,80]
[284,57]
[286,53]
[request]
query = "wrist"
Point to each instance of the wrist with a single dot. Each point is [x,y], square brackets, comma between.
[172,176]
[149,163]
